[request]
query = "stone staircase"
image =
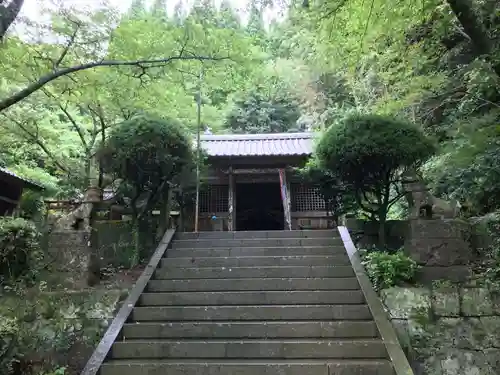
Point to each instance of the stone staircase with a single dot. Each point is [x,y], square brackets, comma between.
[251,303]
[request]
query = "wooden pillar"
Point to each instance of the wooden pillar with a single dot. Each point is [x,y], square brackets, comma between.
[231,211]
[285,197]
[289,202]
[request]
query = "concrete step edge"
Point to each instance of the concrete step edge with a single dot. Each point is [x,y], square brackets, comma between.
[218,362]
[306,256]
[269,248]
[222,268]
[338,341]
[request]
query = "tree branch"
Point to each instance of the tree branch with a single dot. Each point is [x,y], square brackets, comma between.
[75,126]
[359,201]
[474,28]
[8,14]
[70,118]
[395,199]
[71,41]
[36,139]
[41,82]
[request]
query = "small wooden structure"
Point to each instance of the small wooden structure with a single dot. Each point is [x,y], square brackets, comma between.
[11,190]
[250,187]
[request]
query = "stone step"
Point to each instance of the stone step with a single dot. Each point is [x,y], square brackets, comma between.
[239,367]
[249,313]
[252,272]
[257,234]
[255,242]
[249,349]
[255,251]
[308,260]
[341,297]
[212,285]
[251,330]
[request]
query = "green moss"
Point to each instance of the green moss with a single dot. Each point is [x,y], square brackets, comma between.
[52,323]
[421,316]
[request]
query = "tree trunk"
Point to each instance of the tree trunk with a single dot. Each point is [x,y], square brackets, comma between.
[473,27]
[382,218]
[87,171]
[8,14]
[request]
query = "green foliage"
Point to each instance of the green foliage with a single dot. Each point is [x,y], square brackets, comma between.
[369,153]
[257,112]
[469,171]
[338,197]
[40,329]
[19,248]
[9,331]
[32,205]
[366,148]
[413,60]
[386,269]
[146,150]
[146,153]
[488,229]
[56,371]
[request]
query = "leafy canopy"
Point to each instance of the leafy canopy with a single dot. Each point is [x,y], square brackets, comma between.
[145,151]
[369,153]
[258,112]
[337,195]
[369,150]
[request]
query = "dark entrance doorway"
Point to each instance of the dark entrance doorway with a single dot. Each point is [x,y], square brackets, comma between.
[259,207]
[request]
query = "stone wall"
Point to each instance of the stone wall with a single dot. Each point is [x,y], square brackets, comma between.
[68,254]
[68,251]
[115,241]
[365,233]
[445,249]
[55,329]
[447,329]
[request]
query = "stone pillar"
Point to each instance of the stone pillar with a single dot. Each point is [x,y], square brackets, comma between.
[231,217]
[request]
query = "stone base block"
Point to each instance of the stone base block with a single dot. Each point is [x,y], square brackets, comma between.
[440,243]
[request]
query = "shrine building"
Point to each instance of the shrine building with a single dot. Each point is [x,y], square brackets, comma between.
[250,186]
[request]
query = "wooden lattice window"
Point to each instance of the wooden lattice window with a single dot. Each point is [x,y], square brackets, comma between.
[306,198]
[214,198]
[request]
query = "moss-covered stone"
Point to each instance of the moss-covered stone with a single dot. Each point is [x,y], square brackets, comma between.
[491,325]
[402,331]
[54,324]
[471,335]
[446,301]
[401,303]
[476,302]
[447,338]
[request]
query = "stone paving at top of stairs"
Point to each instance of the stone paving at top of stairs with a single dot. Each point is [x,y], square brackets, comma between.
[251,303]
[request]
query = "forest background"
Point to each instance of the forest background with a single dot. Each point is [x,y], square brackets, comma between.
[264,66]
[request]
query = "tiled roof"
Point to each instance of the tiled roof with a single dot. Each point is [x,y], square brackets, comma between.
[24,180]
[278,144]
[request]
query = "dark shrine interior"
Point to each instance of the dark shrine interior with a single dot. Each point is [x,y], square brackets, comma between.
[259,207]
